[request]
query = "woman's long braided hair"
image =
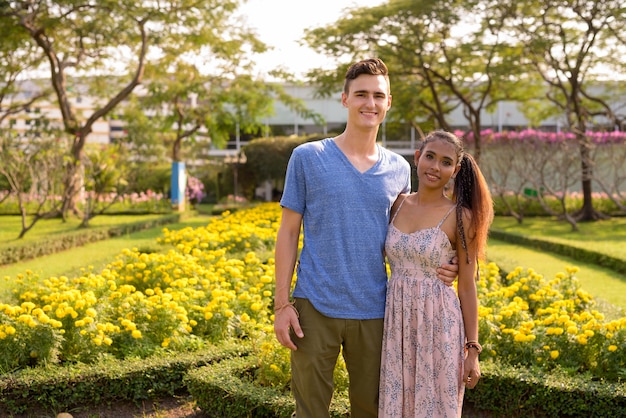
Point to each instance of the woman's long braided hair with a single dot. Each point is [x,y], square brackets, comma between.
[470,191]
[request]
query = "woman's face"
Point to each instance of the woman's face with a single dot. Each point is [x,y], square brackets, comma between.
[436,164]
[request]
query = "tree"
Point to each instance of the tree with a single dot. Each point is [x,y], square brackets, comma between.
[568,42]
[32,168]
[105,182]
[97,39]
[186,104]
[14,67]
[443,55]
[505,167]
[551,170]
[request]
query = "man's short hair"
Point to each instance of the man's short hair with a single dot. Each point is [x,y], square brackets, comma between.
[370,66]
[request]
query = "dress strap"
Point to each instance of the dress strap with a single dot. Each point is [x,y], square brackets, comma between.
[398,210]
[444,218]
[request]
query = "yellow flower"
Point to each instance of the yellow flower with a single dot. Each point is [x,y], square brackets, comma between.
[612,348]
[554,331]
[554,354]
[136,334]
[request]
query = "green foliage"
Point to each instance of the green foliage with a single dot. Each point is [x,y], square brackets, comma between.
[28,340]
[581,254]
[105,171]
[267,158]
[513,391]
[227,390]
[67,240]
[80,386]
[33,167]
[145,176]
[528,205]
[604,236]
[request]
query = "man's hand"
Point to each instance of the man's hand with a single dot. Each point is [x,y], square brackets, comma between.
[447,273]
[286,318]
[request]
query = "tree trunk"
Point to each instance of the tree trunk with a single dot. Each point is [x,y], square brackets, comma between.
[587,211]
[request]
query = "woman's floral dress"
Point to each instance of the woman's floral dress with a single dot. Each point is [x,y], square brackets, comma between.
[422,357]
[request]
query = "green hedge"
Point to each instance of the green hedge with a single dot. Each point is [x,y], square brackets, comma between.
[83,386]
[220,380]
[508,391]
[68,240]
[579,254]
[226,389]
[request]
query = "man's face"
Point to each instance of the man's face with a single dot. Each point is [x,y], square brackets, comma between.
[367,101]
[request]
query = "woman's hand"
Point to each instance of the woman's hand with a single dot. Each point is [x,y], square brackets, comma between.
[471,369]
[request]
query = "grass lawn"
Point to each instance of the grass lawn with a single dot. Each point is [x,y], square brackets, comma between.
[11,226]
[607,236]
[605,285]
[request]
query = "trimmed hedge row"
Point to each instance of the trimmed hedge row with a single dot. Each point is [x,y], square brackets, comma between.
[83,386]
[225,390]
[580,254]
[68,240]
[510,391]
[220,380]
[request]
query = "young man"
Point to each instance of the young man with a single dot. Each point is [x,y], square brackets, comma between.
[342,190]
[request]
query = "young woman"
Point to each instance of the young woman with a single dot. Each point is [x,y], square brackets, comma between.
[430,343]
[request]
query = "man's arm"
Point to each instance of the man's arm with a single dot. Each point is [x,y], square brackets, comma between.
[286,253]
[447,273]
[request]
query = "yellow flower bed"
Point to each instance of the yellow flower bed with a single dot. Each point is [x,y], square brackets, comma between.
[529,320]
[217,281]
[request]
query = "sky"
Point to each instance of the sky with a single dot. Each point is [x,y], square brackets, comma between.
[281,23]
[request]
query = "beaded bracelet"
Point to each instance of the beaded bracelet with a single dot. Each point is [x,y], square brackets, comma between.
[474,344]
[287,305]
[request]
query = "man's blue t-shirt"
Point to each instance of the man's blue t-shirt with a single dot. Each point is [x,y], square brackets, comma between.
[341,269]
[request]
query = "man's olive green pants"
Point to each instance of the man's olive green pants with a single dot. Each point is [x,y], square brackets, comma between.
[313,363]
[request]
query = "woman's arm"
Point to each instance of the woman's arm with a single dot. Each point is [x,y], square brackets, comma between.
[468,297]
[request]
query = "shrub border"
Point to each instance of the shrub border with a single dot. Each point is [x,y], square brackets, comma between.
[515,391]
[81,386]
[65,241]
[223,389]
[579,254]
